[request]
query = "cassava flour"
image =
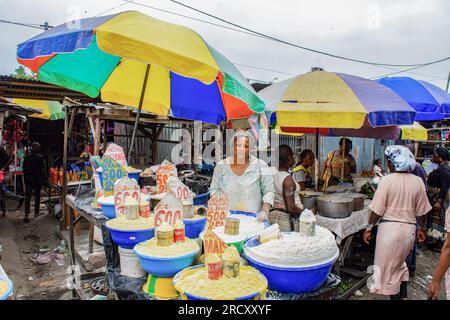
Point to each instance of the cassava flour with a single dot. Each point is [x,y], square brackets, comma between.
[248,227]
[295,250]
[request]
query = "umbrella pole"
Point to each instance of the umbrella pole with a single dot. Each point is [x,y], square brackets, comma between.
[316,166]
[343,159]
[136,122]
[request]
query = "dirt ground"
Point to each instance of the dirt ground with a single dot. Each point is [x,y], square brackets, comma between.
[22,242]
[426,263]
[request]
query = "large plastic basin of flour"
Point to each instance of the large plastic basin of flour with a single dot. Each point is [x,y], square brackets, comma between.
[291,280]
[188,296]
[165,267]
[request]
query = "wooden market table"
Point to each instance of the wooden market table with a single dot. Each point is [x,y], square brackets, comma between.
[94,217]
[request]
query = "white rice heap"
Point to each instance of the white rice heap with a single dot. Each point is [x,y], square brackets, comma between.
[295,250]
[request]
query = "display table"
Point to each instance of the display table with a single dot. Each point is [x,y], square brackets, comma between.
[346,227]
[345,230]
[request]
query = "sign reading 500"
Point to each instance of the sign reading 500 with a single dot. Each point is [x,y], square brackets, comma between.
[111,172]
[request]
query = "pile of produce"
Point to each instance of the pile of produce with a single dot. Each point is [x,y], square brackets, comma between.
[196,282]
[3,287]
[122,223]
[296,250]
[150,248]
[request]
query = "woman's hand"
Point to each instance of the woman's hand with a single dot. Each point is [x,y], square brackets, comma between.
[262,216]
[367,236]
[433,289]
[422,236]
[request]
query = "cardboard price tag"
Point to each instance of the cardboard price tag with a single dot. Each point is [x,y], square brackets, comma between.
[116,153]
[179,189]
[164,172]
[217,211]
[125,188]
[169,209]
[213,244]
[111,172]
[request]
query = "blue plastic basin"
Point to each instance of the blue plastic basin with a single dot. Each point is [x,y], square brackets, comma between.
[132,175]
[9,290]
[193,227]
[128,239]
[291,280]
[109,211]
[201,199]
[165,267]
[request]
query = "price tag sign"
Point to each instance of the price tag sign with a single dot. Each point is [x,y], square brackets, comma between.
[179,189]
[116,153]
[164,172]
[111,172]
[213,244]
[125,188]
[217,211]
[169,209]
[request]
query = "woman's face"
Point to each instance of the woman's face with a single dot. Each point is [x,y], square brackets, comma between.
[436,158]
[290,161]
[242,149]
[309,160]
[391,166]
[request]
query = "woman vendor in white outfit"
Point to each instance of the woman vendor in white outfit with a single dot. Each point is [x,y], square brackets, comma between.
[245,180]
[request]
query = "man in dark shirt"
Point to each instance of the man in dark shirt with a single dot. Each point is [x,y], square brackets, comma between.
[5,161]
[35,176]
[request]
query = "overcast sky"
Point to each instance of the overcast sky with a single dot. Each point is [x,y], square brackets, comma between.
[394,32]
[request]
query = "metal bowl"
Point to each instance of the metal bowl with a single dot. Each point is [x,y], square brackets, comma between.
[335,206]
[309,198]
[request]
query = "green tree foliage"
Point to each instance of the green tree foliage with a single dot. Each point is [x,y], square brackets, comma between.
[22,73]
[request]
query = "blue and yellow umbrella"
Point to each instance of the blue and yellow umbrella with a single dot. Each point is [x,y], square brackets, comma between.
[136,60]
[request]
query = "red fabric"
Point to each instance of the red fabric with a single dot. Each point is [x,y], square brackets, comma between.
[234,107]
[36,63]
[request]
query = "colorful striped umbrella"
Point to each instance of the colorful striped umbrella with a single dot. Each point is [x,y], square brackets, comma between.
[430,102]
[414,132]
[322,99]
[136,60]
[51,110]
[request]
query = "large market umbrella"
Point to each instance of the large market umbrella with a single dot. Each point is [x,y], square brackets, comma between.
[51,110]
[431,102]
[136,60]
[414,132]
[320,101]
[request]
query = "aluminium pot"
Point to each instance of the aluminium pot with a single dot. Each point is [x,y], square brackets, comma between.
[335,206]
[358,200]
[309,198]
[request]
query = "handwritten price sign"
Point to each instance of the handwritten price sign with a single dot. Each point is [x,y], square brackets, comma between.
[111,172]
[116,153]
[169,209]
[125,188]
[217,211]
[213,244]
[178,189]
[164,172]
